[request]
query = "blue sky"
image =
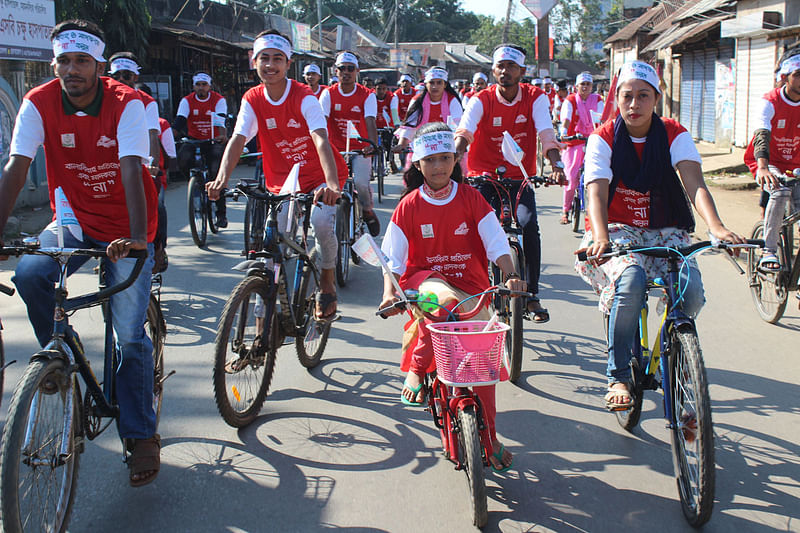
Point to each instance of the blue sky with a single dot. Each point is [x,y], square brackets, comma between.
[496,9]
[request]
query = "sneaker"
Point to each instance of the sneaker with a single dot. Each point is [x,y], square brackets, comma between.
[373,225]
[222,222]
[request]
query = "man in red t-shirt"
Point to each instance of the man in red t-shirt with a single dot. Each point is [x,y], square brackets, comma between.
[523,111]
[291,128]
[403,97]
[479,82]
[776,142]
[348,101]
[385,99]
[312,74]
[201,115]
[95,141]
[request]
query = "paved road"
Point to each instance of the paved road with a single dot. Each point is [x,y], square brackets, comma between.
[334,449]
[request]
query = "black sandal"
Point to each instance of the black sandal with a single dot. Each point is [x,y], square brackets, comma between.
[324,300]
[541,315]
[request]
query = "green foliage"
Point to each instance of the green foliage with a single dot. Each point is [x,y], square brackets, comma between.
[126,23]
[490,34]
[577,26]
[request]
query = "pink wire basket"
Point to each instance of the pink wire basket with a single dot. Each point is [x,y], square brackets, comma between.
[467,356]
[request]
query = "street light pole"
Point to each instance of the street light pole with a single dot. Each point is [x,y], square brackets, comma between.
[508,21]
[319,23]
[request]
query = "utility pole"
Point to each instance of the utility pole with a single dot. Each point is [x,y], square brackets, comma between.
[396,16]
[543,38]
[319,23]
[508,21]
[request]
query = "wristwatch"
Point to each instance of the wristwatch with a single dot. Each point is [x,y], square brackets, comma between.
[559,164]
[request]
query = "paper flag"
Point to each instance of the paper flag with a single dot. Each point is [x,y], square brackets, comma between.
[291,186]
[366,247]
[65,217]
[511,150]
[352,131]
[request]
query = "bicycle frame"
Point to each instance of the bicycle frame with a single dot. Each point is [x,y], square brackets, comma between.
[792,275]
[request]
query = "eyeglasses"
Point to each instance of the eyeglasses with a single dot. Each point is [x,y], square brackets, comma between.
[346,68]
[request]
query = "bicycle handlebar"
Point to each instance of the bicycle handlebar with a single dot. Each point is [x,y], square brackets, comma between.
[85,300]
[5,289]
[413,295]
[667,252]
[252,190]
[536,181]
[577,137]
[187,140]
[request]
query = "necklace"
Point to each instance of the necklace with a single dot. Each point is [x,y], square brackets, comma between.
[441,194]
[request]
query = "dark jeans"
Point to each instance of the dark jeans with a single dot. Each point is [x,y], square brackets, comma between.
[213,155]
[160,241]
[526,215]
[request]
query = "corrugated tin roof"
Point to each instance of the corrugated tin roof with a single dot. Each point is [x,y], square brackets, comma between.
[701,7]
[638,24]
[678,34]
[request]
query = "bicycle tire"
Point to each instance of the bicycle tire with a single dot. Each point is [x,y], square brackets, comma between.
[768,290]
[576,213]
[50,374]
[248,214]
[2,365]
[381,174]
[312,335]
[157,328]
[514,336]
[211,215]
[629,418]
[691,427]
[250,396]
[197,213]
[470,454]
[343,219]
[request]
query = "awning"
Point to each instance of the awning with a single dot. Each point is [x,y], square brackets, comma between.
[179,32]
[678,34]
[782,33]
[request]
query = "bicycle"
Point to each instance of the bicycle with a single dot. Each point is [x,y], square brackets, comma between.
[467,354]
[10,292]
[675,365]
[511,310]
[255,215]
[49,420]
[578,205]
[769,288]
[263,309]
[202,211]
[350,224]
[378,167]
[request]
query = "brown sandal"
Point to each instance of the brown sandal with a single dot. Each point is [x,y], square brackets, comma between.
[145,457]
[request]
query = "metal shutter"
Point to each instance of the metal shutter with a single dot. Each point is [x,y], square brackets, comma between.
[708,120]
[755,68]
[698,74]
[687,83]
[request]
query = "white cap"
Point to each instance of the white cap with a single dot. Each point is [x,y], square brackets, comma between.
[480,76]
[790,65]
[406,77]
[272,40]
[124,63]
[201,76]
[639,70]
[537,81]
[583,77]
[346,57]
[436,73]
[506,53]
[311,67]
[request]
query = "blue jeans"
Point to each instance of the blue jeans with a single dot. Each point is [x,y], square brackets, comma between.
[630,293]
[35,278]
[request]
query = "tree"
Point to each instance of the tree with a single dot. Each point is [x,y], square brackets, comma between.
[489,34]
[125,23]
[577,26]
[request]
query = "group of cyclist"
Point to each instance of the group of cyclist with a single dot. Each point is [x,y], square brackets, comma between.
[103,146]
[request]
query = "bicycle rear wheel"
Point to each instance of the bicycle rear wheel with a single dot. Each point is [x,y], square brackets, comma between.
[692,429]
[576,213]
[156,328]
[211,215]
[768,289]
[37,483]
[381,170]
[471,458]
[312,335]
[344,219]
[244,351]
[197,212]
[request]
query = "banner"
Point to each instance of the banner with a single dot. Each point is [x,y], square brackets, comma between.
[301,36]
[397,58]
[539,8]
[25,29]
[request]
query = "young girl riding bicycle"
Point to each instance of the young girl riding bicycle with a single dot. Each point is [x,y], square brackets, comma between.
[636,197]
[439,240]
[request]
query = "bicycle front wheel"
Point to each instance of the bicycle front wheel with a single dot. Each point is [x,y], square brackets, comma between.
[768,289]
[312,335]
[244,351]
[344,214]
[576,213]
[629,418]
[471,458]
[37,482]
[692,429]
[197,212]
[381,173]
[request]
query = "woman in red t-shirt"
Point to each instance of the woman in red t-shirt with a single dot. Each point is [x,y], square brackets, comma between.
[635,197]
[439,239]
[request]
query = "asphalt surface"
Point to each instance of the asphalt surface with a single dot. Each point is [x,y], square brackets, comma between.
[335,449]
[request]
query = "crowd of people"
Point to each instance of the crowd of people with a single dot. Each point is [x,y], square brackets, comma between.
[108,150]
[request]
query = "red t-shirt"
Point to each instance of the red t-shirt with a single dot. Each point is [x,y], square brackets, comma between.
[198,122]
[319,90]
[552,97]
[445,238]
[384,108]
[164,125]
[403,101]
[628,206]
[344,108]
[81,156]
[285,139]
[784,140]
[485,153]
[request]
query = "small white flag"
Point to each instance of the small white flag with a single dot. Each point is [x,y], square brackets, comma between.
[513,153]
[352,131]
[291,186]
[451,123]
[386,116]
[597,118]
[366,247]
[65,217]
